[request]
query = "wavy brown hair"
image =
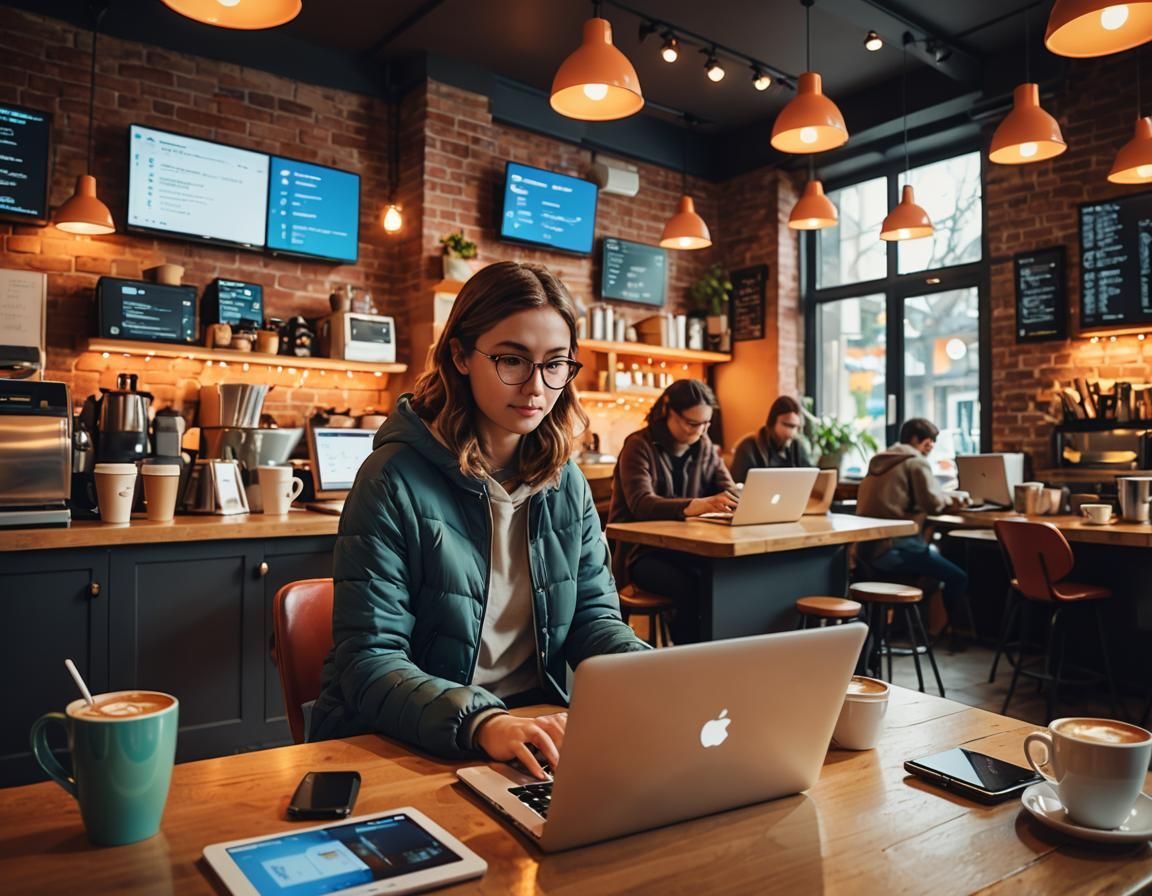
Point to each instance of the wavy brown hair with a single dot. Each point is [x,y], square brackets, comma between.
[444,395]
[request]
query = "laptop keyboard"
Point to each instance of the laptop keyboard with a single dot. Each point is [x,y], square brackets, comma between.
[537,797]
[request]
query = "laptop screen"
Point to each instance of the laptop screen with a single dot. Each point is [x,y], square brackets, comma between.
[337,454]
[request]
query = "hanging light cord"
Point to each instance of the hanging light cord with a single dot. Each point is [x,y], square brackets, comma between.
[904,103]
[808,36]
[92,89]
[1027,46]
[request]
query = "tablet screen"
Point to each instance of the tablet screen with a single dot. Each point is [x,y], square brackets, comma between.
[327,860]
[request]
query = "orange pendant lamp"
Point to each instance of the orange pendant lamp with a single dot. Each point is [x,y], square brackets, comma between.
[83,212]
[1027,133]
[686,229]
[1083,28]
[244,15]
[596,82]
[1133,163]
[907,221]
[813,210]
[810,122]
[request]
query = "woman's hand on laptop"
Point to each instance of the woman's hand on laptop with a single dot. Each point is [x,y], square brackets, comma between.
[506,737]
[725,502]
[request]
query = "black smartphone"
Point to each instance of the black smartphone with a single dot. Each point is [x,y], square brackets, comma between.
[971,774]
[325,795]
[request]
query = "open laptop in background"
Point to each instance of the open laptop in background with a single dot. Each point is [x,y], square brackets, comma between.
[990,479]
[823,490]
[770,495]
[634,760]
[335,454]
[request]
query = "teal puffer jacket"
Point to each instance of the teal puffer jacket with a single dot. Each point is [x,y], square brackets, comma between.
[411,569]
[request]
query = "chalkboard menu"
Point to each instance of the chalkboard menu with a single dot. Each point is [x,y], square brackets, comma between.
[1116,263]
[633,272]
[748,288]
[1041,297]
[24,163]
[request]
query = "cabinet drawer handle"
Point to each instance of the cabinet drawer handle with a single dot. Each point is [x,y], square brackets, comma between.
[262,569]
[94,589]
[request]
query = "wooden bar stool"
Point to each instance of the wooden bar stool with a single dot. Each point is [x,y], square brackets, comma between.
[655,607]
[882,597]
[823,609]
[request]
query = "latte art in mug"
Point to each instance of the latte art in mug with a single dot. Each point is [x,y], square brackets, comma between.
[861,685]
[1102,732]
[126,706]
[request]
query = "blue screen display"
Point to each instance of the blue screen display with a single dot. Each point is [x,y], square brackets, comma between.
[548,209]
[313,210]
[339,857]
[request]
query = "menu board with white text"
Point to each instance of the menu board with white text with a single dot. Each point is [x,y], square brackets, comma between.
[1116,263]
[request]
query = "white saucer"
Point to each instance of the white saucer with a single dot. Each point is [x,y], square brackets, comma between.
[1107,522]
[1041,800]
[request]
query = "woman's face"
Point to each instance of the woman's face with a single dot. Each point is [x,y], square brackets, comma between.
[503,354]
[688,425]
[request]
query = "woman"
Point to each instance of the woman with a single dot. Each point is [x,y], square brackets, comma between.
[776,444]
[469,566]
[670,470]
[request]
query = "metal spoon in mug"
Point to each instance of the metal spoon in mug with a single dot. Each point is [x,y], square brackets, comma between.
[75,673]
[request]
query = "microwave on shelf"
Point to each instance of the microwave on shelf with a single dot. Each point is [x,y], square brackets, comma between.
[353,336]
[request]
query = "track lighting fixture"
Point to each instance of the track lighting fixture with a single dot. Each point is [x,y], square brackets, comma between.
[873,42]
[670,50]
[760,80]
[713,67]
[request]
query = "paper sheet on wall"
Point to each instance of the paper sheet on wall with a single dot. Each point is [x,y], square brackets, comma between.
[23,295]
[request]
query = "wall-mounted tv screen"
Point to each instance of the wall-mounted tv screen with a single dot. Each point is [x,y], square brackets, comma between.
[548,209]
[313,210]
[199,189]
[633,272]
[1116,263]
[24,144]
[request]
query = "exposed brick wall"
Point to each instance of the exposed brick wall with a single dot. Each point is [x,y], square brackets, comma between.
[1035,206]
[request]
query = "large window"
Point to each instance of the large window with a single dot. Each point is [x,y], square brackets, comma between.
[894,328]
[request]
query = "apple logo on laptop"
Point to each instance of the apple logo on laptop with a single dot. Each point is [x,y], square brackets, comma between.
[776,498]
[715,731]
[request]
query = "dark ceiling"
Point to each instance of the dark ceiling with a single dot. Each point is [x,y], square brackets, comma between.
[967,53]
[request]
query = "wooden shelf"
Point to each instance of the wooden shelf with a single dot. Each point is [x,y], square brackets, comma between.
[621,395]
[199,353]
[656,352]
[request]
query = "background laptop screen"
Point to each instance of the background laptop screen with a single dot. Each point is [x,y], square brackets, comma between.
[337,455]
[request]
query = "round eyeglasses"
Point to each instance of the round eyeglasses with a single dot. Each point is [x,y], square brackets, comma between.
[515,370]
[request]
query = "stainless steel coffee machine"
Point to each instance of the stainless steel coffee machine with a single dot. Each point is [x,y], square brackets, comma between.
[123,422]
[35,453]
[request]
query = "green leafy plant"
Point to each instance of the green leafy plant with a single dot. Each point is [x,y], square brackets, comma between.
[833,437]
[457,246]
[710,293]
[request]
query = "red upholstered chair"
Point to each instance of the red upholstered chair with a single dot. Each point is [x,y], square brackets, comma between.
[302,622]
[1040,560]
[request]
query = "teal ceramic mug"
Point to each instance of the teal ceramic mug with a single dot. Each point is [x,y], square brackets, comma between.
[122,750]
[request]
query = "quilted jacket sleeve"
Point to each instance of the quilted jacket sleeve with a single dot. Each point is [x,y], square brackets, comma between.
[596,626]
[373,622]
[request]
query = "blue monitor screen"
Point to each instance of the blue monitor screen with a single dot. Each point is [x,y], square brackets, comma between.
[548,209]
[313,210]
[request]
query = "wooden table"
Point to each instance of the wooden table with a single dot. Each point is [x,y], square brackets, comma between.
[1075,528]
[865,827]
[754,574]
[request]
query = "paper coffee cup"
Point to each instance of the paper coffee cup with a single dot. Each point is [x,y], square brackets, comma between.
[115,491]
[862,715]
[161,484]
[278,489]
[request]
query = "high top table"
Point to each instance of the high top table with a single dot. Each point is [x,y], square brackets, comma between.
[754,574]
[865,827]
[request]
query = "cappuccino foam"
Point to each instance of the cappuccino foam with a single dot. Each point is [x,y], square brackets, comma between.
[868,686]
[1103,731]
[126,706]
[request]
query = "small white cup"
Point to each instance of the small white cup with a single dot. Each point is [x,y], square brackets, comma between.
[115,491]
[161,485]
[278,489]
[1096,765]
[862,715]
[1097,513]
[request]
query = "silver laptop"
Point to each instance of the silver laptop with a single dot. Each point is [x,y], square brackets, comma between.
[990,478]
[667,735]
[770,495]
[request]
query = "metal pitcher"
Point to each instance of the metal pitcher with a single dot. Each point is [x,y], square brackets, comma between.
[1135,492]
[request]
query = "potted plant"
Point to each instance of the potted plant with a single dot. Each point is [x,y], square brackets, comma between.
[834,438]
[709,297]
[457,252]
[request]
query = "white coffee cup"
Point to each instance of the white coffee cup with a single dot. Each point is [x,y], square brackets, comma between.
[115,491]
[1097,513]
[278,489]
[161,484]
[1096,765]
[862,715]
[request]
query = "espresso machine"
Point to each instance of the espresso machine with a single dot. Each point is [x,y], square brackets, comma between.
[110,429]
[35,453]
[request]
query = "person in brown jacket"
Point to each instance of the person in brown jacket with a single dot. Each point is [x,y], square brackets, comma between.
[670,470]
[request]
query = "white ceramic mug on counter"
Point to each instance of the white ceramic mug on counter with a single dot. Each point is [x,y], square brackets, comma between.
[278,489]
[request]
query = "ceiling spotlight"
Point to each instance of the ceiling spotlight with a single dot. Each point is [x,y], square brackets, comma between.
[713,67]
[760,80]
[670,50]
[873,42]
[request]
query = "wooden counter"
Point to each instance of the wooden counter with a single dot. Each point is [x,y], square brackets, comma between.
[209,527]
[1075,528]
[864,827]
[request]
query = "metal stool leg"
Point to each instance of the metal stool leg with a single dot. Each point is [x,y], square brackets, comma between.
[1057,649]
[1116,707]
[928,647]
[1011,609]
[914,637]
